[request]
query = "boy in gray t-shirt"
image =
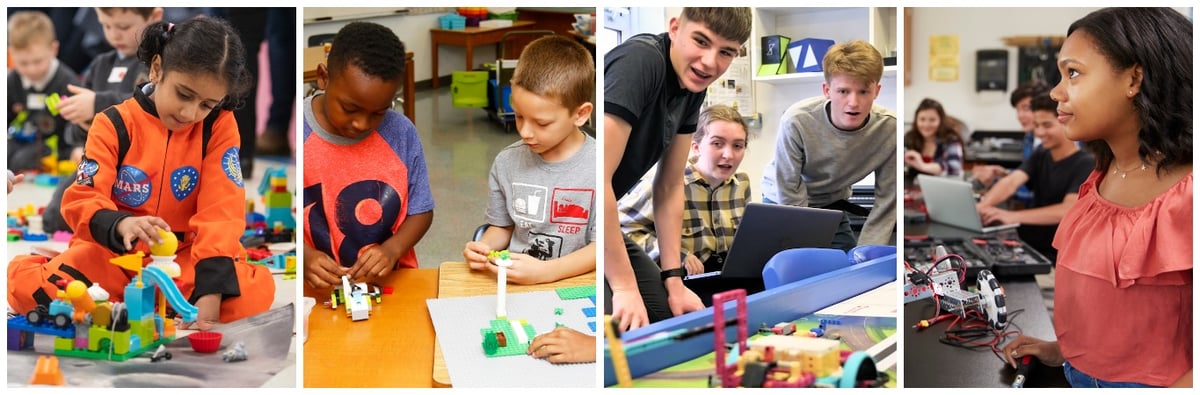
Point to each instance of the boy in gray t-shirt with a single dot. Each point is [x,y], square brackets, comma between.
[543,188]
[826,144]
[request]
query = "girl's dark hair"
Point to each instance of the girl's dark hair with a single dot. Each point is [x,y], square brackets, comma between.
[200,45]
[945,132]
[1160,41]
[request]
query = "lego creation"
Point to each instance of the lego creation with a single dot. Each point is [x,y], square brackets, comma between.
[458,323]
[355,298]
[277,200]
[496,337]
[676,341]
[502,262]
[86,325]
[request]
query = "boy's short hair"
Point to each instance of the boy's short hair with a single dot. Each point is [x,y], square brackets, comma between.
[557,67]
[145,12]
[1028,89]
[28,28]
[732,23]
[371,47]
[718,112]
[856,59]
[1043,102]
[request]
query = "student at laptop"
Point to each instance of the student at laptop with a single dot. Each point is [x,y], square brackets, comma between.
[827,143]
[654,85]
[1020,99]
[1053,172]
[715,195]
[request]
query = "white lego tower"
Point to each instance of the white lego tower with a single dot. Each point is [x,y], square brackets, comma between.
[501,260]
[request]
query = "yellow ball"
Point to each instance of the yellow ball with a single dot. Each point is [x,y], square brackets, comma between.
[76,289]
[167,247]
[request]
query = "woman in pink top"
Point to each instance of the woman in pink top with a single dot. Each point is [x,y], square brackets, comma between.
[1123,295]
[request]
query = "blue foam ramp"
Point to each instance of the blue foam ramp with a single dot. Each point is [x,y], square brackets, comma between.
[167,286]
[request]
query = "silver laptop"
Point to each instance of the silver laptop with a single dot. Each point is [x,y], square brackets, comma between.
[767,229]
[952,202]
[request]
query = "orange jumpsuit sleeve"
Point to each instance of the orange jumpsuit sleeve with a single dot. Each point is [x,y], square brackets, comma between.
[220,215]
[87,205]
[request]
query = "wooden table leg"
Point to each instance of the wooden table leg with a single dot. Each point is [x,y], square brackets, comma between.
[410,94]
[434,42]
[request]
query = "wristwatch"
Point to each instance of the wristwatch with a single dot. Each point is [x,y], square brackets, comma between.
[676,272]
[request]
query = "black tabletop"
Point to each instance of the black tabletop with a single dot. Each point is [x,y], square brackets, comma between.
[929,363]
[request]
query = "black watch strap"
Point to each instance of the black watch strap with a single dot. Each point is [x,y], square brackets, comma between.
[676,272]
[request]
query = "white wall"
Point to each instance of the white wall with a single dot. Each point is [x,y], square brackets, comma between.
[413,30]
[977,28]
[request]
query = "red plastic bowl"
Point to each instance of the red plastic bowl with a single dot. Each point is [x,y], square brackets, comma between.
[205,342]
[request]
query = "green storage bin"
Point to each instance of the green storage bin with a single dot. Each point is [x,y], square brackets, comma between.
[469,88]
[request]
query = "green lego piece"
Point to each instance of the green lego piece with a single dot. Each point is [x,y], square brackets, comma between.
[579,292]
[558,311]
[512,347]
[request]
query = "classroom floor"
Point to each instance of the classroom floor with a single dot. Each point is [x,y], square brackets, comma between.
[459,144]
[285,290]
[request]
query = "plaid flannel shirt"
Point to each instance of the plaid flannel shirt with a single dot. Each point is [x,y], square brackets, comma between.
[710,216]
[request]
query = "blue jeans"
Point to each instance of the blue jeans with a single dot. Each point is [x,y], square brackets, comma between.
[1080,379]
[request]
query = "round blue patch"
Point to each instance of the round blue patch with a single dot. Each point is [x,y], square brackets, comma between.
[232,166]
[132,187]
[183,182]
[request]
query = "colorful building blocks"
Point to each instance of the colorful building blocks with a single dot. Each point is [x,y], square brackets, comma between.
[86,325]
[504,338]
[277,200]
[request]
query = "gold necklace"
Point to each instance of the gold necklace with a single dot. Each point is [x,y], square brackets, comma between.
[1123,173]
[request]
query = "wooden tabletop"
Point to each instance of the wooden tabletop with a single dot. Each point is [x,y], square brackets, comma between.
[456,279]
[477,30]
[389,349]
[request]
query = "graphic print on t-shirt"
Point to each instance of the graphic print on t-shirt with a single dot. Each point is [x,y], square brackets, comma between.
[529,203]
[571,206]
[544,246]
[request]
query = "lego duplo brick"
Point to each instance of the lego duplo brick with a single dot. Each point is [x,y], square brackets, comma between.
[457,322]
[579,292]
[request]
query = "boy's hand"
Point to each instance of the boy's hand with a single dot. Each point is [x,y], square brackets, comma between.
[1047,352]
[993,215]
[476,255]
[629,310]
[563,345]
[320,271]
[141,228]
[525,270]
[680,298]
[693,265]
[209,315]
[374,261]
[80,106]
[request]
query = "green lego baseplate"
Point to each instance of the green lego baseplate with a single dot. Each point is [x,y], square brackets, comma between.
[512,346]
[579,292]
[105,355]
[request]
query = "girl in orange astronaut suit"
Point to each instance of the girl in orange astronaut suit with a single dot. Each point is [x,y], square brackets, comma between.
[165,159]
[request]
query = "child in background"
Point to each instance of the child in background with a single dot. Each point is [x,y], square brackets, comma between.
[1123,285]
[932,137]
[543,188]
[36,74]
[366,190]
[164,160]
[108,80]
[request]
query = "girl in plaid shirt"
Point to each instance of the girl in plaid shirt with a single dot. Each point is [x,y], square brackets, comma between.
[715,194]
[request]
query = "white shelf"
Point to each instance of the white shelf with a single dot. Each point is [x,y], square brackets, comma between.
[809,77]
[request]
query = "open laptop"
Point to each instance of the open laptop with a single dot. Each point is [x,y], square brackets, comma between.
[952,202]
[767,229]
